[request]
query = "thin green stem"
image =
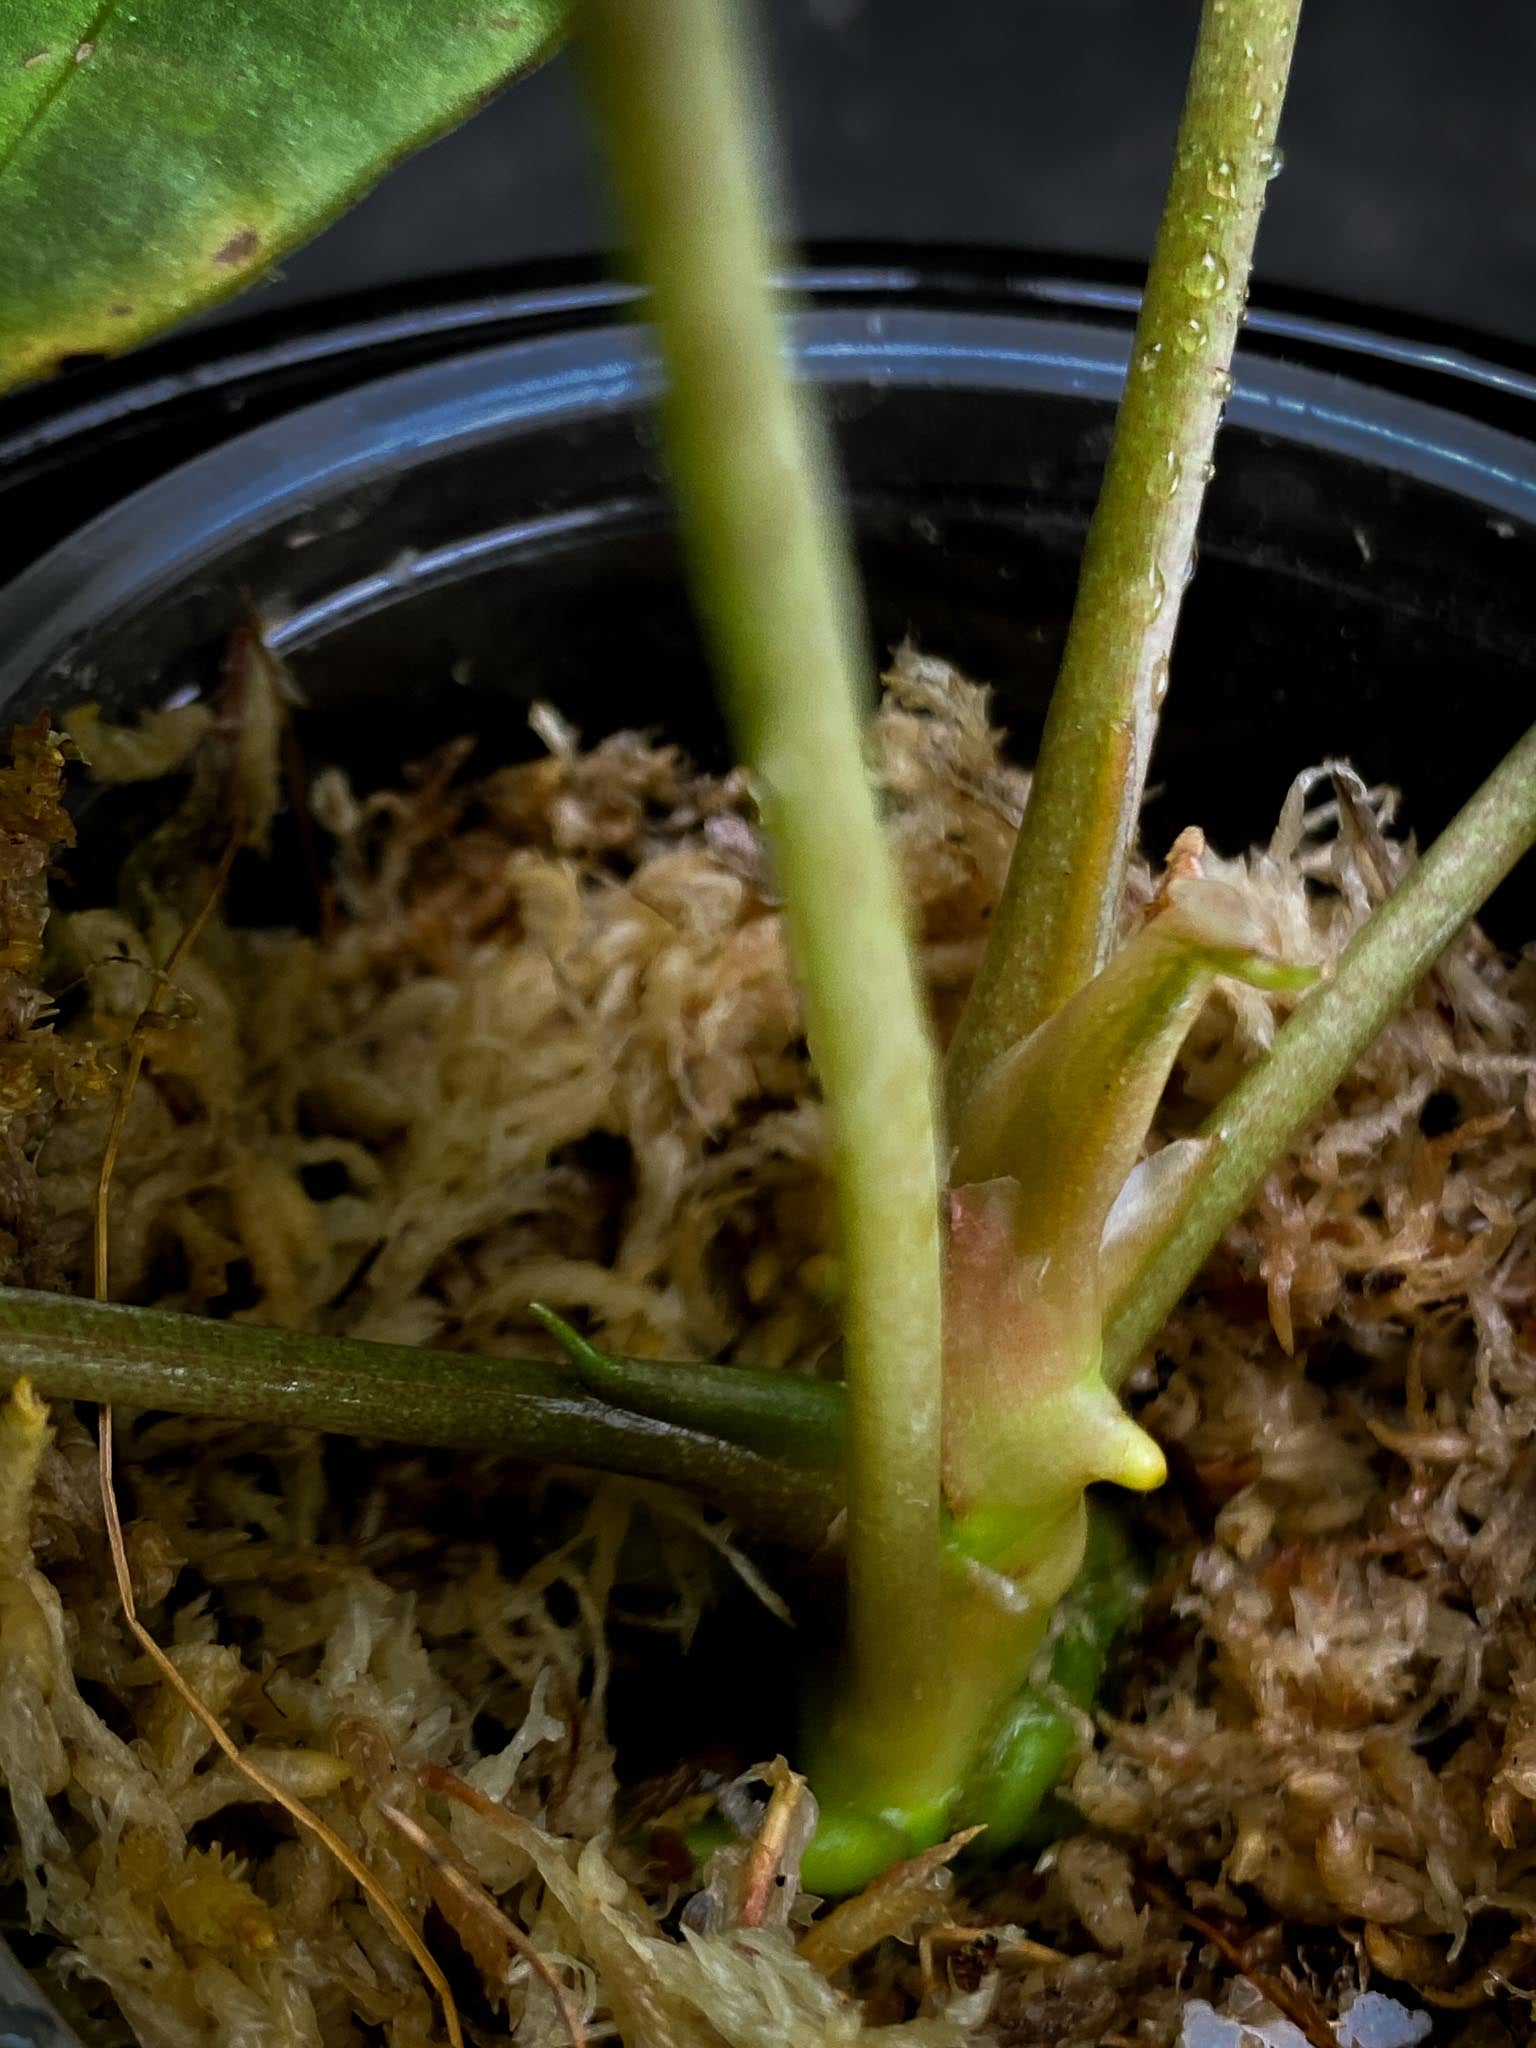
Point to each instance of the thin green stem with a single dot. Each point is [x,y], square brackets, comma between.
[775,586]
[521,1408]
[1376,974]
[782,1414]
[1056,921]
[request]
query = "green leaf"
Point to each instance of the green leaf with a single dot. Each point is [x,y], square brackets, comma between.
[157,155]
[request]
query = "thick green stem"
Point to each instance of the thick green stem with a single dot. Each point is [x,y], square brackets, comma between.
[1378,971]
[775,586]
[1056,922]
[521,1408]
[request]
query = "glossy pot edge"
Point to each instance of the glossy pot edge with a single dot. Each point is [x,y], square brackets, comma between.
[453,310]
[177,523]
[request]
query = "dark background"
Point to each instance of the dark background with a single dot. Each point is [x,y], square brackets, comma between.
[1410,148]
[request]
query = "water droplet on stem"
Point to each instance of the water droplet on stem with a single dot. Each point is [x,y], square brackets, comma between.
[1165,477]
[1206,277]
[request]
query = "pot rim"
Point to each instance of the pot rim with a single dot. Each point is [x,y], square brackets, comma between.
[449,310]
[1430,411]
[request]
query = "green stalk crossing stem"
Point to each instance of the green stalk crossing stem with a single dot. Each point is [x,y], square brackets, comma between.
[522,1408]
[1056,922]
[775,585]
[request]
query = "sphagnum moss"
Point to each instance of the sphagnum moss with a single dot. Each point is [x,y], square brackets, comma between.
[1314,1568]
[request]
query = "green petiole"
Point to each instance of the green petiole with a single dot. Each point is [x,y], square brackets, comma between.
[1057,919]
[511,1407]
[781,1414]
[775,581]
[1378,972]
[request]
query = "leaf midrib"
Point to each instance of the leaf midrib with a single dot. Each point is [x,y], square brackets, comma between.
[11,152]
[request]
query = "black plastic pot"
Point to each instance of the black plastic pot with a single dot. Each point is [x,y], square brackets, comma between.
[490,525]
[451,510]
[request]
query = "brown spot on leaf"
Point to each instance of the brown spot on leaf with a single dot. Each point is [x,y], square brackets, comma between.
[240,247]
[84,52]
[120,312]
[34,58]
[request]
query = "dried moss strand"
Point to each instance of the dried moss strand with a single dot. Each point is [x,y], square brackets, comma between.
[1376,975]
[144,1358]
[384,1903]
[1056,921]
[297,1809]
[775,585]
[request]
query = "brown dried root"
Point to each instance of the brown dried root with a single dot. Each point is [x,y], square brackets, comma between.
[892,1907]
[1286,1998]
[486,1932]
[266,1784]
[764,1866]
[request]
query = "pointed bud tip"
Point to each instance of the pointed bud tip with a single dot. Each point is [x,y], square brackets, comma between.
[1131,1458]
